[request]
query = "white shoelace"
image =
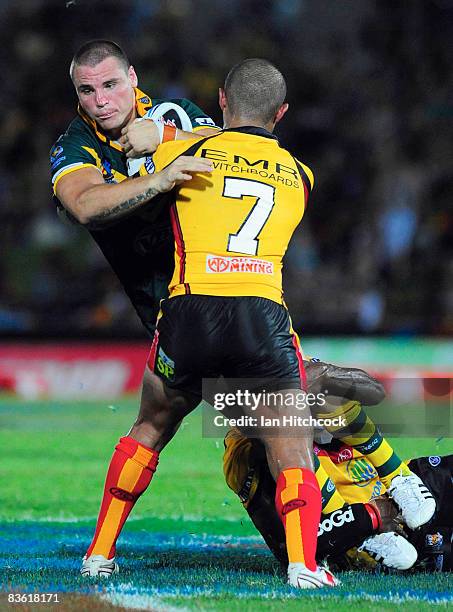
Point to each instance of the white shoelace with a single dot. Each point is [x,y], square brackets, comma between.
[411,492]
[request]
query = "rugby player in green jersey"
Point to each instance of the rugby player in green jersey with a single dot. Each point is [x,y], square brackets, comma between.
[127,216]
[90,168]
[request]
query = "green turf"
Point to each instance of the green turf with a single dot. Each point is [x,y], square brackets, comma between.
[54,457]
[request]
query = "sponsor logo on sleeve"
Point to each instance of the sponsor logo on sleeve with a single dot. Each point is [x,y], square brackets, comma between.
[57,162]
[330,486]
[56,152]
[342,455]
[106,168]
[205,121]
[216,264]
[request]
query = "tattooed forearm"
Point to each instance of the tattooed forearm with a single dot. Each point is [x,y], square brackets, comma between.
[120,210]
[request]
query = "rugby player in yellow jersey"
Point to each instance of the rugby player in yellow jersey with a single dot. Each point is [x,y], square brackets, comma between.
[225,314]
[136,455]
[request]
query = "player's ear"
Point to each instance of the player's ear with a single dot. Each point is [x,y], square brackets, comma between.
[281,112]
[222,99]
[132,76]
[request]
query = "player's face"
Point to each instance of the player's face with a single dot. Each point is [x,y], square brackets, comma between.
[106,94]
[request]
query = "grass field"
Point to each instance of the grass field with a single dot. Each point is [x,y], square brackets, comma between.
[188,544]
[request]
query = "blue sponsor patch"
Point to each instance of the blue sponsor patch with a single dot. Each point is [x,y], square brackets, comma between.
[56,152]
[434,460]
[57,162]
[145,100]
[107,171]
[434,539]
[149,165]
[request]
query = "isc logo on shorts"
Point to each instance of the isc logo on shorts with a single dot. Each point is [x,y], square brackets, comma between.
[221,265]
[165,365]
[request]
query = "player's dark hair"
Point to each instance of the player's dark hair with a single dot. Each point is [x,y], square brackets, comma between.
[255,89]
[93,52]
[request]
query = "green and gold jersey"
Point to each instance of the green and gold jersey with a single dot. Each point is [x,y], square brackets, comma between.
[138,247]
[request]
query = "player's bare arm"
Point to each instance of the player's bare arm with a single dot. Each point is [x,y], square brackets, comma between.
[142,137]
[91,201]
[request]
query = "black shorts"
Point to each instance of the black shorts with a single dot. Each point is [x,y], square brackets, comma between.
[433,541]
[202,336]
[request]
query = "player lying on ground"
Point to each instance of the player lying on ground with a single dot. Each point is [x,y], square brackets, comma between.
[354,510]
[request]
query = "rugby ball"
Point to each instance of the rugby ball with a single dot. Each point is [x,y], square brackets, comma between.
[171,114]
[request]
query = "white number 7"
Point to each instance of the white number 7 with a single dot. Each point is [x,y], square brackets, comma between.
[246,238]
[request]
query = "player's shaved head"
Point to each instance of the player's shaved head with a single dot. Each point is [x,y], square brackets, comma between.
[94,52]
[255,89]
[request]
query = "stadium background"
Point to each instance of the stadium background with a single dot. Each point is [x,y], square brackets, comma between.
[368,275]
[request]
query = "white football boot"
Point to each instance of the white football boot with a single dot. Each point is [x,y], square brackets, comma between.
[98,565]
[301,577]
[390,549]
[413,498]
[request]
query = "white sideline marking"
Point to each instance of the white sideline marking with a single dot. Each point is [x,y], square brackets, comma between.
[139,595]
[139,602]
[128,596]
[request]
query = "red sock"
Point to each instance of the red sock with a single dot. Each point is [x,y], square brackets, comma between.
[129,474]
[298,503]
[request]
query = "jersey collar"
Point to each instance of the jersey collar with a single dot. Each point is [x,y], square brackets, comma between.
[142,104]
[252,129]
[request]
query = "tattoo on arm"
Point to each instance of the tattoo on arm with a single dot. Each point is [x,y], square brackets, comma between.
[120,210]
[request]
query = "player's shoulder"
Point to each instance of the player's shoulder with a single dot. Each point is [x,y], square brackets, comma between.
[170,151]
[306,173]
[77,134]
[75,148]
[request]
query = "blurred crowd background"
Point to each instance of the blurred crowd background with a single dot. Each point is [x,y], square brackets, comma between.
[371,112]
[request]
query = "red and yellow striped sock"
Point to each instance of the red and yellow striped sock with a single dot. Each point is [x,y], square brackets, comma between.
[129,474]
[298,503]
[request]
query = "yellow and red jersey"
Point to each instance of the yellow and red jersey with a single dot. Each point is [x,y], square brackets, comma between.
[353,475]
[232,227]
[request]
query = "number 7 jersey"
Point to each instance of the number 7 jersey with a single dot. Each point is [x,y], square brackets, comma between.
[232,227]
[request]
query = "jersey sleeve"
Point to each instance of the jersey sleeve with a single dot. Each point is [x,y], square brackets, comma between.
[307,177]
[198,118]
[169,151]
[71,153]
